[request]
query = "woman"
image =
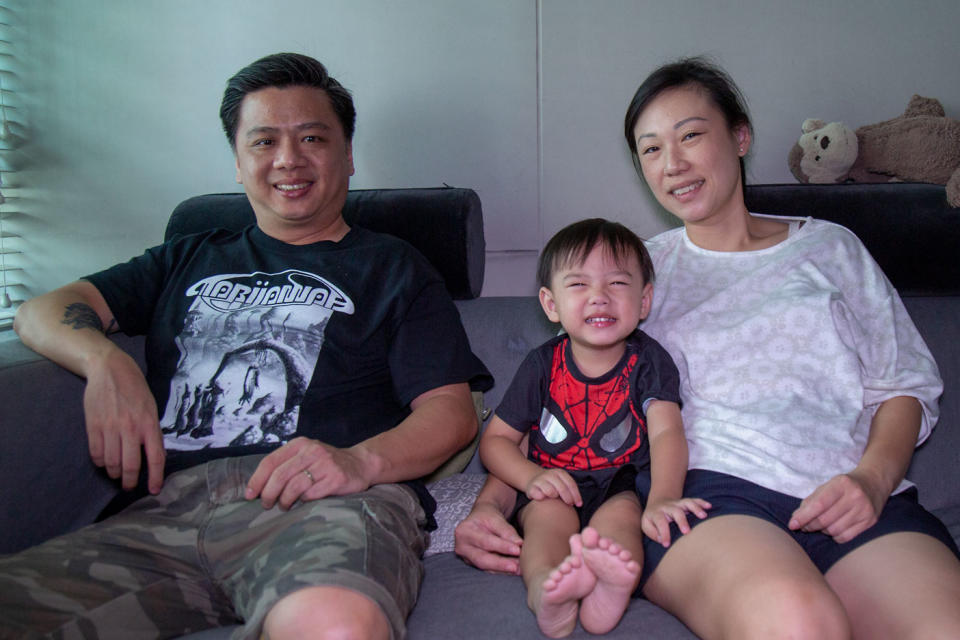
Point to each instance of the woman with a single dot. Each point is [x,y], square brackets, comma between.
[806,388]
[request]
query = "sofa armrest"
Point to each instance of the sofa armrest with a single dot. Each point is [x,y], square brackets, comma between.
[50,486]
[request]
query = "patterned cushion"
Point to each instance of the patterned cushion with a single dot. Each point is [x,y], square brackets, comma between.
[454,495]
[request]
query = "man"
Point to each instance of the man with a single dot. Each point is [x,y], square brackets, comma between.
[330,353]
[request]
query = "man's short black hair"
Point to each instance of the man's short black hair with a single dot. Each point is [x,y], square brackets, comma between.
[281,70]
[573,243]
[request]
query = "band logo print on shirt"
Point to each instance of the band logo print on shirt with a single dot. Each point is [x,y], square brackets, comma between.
[235,291]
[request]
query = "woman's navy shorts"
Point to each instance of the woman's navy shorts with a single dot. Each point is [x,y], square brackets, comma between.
[730,495]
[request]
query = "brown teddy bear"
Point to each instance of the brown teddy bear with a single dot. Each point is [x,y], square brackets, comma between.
[922,145]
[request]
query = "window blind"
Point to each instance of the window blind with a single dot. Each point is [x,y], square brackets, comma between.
[11,131]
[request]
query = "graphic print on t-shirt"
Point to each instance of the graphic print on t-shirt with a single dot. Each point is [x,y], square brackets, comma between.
[589,425]
[248,349]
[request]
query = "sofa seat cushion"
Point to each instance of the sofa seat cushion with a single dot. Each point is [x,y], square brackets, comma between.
[458,601]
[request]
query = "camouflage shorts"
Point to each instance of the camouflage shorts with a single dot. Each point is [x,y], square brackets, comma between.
[198,555]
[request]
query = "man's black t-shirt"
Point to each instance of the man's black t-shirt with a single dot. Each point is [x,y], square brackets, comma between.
[252,341]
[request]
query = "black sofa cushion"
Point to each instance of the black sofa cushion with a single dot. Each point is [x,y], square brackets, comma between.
[445,224]
[909,228]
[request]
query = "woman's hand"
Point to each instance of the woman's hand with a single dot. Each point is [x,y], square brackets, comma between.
[844,507]
[487,541]
[847,505]
[658,515]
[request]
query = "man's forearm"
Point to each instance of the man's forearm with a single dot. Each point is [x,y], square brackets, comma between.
[442,422]
[67,325]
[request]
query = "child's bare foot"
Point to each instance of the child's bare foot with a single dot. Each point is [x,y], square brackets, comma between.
[560,594]
[617,574]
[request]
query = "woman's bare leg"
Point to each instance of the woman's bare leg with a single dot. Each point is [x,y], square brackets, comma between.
[740,577]
[902,585]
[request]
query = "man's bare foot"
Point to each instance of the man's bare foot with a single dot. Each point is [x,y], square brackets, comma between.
[558,600]
[617,575]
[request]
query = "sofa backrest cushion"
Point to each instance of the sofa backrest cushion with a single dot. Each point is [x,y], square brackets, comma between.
[909,228]
[445,224]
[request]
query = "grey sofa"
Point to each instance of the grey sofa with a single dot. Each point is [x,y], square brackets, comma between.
[49,485]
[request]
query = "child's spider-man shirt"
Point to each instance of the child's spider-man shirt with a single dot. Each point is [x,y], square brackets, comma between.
[586,424]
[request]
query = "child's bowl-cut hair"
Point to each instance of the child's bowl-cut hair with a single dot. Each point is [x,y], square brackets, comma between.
[573,243]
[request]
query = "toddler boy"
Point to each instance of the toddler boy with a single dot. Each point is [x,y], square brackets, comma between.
[606,457]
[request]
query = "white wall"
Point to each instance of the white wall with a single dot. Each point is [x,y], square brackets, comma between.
[521,100]
[857,61]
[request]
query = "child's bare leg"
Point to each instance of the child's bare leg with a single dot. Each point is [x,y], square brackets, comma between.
[545,556]
[612,548]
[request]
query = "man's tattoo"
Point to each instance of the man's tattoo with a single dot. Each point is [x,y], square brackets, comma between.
[82,316]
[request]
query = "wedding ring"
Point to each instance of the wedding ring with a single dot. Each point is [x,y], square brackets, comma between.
[309,475]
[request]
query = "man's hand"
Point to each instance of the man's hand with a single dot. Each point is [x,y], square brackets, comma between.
[487,541]
[842,508]
[305,469]
[121,417]
[554,483]
[658,515]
